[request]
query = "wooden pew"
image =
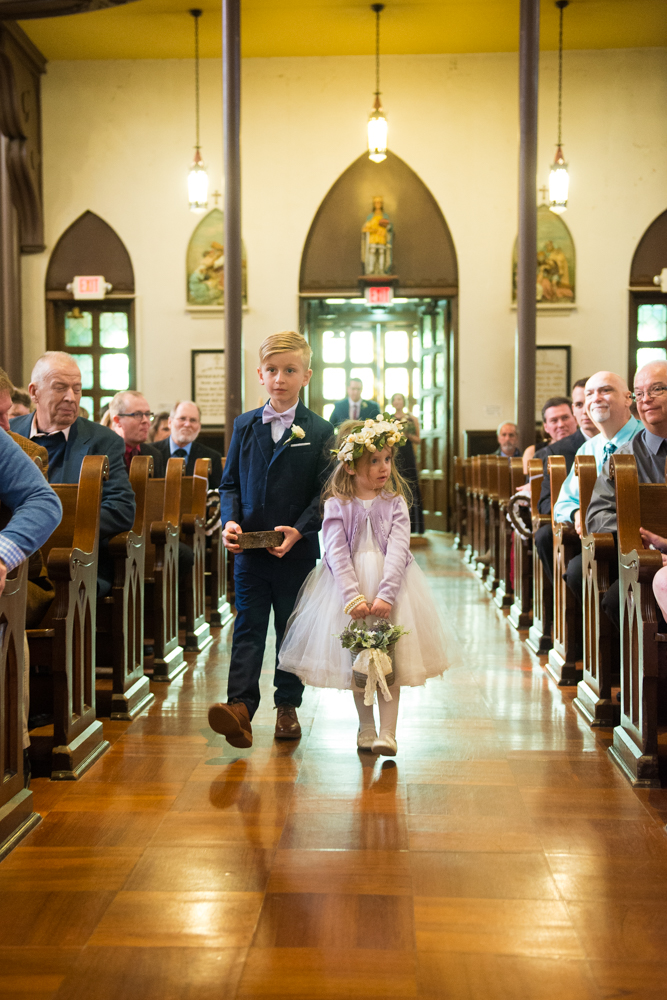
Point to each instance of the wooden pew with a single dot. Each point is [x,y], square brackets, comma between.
[492,516]
[482,524]
[162,521]
[564,664]
[193,518]
[639,747]
[470,556]
[539,635]
[504,596]
[220,611]
[460,503]
[601,665]
[17,817]
[62,652]
[521,612]
[120,616]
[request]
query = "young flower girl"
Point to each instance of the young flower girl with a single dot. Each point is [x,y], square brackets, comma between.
[367,572]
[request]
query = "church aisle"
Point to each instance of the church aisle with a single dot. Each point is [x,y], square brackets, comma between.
[499,856]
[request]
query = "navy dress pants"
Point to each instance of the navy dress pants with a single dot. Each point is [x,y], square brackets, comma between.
[263,582]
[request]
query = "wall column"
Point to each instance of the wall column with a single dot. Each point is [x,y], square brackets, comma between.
[529,57]
[231,112]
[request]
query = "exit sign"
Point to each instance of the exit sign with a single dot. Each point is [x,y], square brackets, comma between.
[89,286]
[379,295]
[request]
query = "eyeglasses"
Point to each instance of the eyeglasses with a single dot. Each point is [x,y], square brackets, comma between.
[655,390]
[138,415]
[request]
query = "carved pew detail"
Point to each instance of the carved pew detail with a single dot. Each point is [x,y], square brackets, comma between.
[505,592]
[460,503]
[193,517]
[66,647]
[163,517]
[601,643]
[539,635]
[521,614]
[482,526]
[492,516]
[564,664]
[636,748]
[17,817]
[120,617]
[469,556]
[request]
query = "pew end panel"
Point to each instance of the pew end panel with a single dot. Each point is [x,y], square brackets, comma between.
[460,503]
[17,816]
[162,520]
[594,700]
[565,661]
[481,565]
[220,611]
[193,518]
[120,616]
[521,612]
[62,651]
[539,635]
[504,596]
[637,748]
[492,516]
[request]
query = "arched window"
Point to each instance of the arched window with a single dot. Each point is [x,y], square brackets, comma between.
[98,334]
[648,304]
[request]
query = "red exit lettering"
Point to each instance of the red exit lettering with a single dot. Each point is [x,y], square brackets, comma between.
[379,294]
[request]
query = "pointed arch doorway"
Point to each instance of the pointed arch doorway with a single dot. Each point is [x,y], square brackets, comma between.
[409,346]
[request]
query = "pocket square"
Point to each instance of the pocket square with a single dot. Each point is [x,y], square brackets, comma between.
[301,444]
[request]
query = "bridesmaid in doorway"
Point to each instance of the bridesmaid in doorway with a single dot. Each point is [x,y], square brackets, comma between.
[406,462]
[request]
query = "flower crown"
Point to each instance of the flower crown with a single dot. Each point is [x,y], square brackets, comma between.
[372,435]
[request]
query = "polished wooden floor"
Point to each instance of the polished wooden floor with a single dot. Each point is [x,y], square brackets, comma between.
[499,857]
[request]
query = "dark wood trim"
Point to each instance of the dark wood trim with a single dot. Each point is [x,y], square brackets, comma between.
[231,101]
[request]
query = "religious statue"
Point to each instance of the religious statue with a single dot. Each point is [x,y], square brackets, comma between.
[377,235]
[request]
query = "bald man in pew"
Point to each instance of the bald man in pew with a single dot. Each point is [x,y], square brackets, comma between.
[55,389]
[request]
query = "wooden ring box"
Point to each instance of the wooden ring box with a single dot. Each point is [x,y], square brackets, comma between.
[260,539]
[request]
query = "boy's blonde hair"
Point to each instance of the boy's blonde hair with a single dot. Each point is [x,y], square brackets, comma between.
[279,343]
[340,483]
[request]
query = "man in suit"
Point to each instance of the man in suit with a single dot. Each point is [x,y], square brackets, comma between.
[130,417]
[55,389]
[184,428]
[508,438]
[567,446]
[353,407]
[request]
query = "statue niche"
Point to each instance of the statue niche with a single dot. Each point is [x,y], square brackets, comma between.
[377,240]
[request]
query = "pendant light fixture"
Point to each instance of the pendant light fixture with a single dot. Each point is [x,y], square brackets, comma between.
[197,178]
[559,180]
[377,123]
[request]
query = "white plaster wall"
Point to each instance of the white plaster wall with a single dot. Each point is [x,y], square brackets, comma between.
[118,139]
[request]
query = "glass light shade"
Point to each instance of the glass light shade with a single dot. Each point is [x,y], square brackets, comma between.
[377,135]
[559,182]
[198,185]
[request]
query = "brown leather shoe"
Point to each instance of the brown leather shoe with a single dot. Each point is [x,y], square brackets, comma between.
[233,722]
[287,724]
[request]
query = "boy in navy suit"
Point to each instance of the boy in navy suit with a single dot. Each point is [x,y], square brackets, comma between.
[277,462]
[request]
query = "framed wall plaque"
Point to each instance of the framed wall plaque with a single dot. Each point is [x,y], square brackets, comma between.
[552,374]
[208,385]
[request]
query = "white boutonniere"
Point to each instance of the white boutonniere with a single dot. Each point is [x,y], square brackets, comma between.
[297,432]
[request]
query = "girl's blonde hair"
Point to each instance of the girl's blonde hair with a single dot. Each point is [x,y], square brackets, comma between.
[340,484]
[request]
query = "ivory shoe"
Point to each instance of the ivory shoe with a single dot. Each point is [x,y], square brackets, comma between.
[385,745]
[232,721]
[366,738]
[287,723]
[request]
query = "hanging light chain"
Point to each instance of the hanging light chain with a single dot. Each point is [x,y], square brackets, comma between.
[196,15]
[561,4]
[378,8]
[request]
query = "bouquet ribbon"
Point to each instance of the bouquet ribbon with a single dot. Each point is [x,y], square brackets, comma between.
[375,663]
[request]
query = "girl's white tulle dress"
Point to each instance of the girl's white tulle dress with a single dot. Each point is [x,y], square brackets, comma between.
[310,648]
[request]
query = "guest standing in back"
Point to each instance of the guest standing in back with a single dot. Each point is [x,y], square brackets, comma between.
[353,407]
[406,463]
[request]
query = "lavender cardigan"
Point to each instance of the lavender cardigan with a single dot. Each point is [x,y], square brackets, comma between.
[341,529]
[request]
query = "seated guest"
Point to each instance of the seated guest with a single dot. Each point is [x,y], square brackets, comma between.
[649,448]
[558,422]
[608,402]
[508,439]
[55,390]
[160,427]
[184,428]
[568,446]
[353,407]
[130,417]
[21,403]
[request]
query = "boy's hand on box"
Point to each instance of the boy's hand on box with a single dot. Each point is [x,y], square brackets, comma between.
[230,533]
[292,536]
[380,608]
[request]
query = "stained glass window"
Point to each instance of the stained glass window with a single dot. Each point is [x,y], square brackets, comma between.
[362,348]
[88,404]
[85,363]
[78,328]
[114,371]
[114,330]
[333,383]
[440,369]
[396,347]
[646,354]
[427,372]
[416,349]
[327,410]
[396,380]
[427,335]
[427,413]
[333,347]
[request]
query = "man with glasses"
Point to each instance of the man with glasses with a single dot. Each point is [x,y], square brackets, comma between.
[130,417]
[184,428]
[649,448]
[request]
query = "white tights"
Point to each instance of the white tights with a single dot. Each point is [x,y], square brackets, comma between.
[388,712]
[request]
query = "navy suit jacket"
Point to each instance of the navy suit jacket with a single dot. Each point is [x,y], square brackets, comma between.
[341,411]
[263,486]
[198,450]
[87,438]
[568,447]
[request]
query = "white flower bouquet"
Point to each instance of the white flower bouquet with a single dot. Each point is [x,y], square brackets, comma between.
[372,649]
